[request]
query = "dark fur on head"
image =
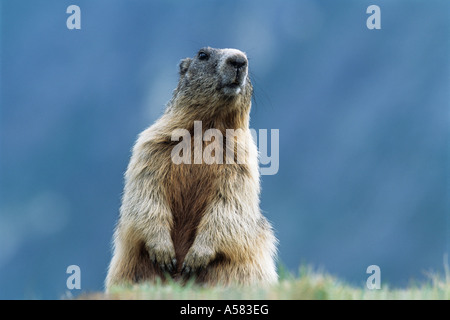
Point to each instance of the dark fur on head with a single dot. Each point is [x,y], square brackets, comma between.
[213,85]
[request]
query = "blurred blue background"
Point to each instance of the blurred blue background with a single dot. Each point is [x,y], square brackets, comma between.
[363,118]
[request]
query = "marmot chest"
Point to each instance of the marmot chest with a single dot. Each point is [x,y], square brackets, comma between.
[190,189]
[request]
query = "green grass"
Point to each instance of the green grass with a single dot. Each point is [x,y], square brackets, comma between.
[308,285]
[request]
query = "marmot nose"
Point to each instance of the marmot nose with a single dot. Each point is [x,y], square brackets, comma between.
[237,61]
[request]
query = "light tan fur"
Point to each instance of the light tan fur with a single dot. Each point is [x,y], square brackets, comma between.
[196,220]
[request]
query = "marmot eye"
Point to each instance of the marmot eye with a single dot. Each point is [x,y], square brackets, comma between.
[202,55]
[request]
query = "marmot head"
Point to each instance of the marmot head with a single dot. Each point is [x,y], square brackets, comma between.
[213,80]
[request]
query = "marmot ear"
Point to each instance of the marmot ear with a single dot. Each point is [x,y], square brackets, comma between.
[184,65]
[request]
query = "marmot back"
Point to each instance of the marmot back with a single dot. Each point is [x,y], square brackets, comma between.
[198,217]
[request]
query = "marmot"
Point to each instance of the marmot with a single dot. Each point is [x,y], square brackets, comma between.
[199,221]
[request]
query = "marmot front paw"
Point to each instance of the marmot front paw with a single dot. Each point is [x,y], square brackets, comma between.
[198,257]
[163,255]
